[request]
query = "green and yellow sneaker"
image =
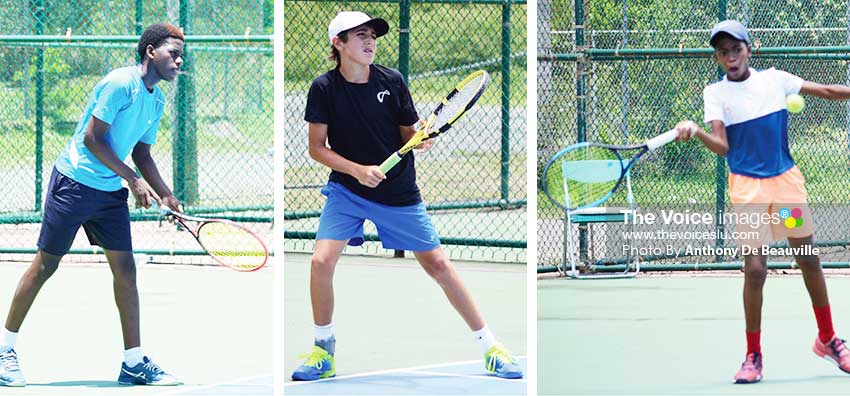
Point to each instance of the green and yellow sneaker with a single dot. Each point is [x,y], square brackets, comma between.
[499,361]
[319,364]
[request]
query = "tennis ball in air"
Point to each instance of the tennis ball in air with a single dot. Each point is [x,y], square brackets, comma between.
[795,103]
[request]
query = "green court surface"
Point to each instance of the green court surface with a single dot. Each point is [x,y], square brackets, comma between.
[209,326]
[390,314]
[681,335]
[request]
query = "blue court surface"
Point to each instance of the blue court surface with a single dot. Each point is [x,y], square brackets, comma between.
[460,378]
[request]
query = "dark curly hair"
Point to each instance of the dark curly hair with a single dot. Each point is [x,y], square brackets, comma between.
[155,35]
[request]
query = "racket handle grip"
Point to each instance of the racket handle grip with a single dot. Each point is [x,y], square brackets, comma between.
[389,163]
[662,139]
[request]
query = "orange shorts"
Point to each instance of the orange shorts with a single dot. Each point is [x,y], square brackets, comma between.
[770,209]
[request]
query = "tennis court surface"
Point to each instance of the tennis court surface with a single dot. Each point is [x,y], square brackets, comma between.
[457,378]
[209,326]
[396,332]
[681,334]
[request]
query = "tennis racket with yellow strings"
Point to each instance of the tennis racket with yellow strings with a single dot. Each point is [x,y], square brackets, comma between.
[450,109]
[227,242]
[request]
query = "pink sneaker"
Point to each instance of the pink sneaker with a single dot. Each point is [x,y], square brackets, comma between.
[750,371]
[835,351]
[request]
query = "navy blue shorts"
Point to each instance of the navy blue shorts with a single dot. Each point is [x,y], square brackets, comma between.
[104,216]
[400,227]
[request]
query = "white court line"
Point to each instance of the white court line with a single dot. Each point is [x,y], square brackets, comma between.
[395,370]
[189,388]
[485,377]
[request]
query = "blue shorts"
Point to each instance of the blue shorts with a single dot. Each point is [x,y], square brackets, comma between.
[104,216]
[400,227]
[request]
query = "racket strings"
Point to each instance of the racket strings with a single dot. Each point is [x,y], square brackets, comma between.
[232,246]
[582,177]
[458,103]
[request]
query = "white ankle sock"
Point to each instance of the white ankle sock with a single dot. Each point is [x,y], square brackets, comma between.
[323,332]
[133,356]
[8,338]
[485,338]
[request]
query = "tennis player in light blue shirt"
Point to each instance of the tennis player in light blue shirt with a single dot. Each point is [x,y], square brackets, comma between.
[86,190]
[122,92]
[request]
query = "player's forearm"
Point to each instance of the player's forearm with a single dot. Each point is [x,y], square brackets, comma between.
[836,92]
[333,160]
[147,167]
[103,152]
[713,143]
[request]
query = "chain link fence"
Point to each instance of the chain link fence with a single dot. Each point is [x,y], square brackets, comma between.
[214,146]
[473,180]
[620,72]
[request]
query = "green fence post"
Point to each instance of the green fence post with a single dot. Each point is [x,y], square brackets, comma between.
[39,15]
[581,100]
[720,166]
[403,55]
[138,24]
[185,150]
[404,38]
[581,109]
[506,99]
[268,16]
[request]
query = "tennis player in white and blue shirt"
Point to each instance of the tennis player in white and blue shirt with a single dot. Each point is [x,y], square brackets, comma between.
[748,116]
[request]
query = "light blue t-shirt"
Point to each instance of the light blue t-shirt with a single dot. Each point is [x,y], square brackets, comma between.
[132,112]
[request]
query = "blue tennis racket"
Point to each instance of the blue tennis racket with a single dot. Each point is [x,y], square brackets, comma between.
[586,174]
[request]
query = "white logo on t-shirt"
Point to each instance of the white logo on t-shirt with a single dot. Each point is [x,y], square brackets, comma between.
[382,94]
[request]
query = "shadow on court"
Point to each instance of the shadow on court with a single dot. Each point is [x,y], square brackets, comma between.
[390,315]
[209,326]
[87,384]
[681,335]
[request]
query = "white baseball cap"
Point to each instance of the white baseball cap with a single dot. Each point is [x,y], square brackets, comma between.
[347,20]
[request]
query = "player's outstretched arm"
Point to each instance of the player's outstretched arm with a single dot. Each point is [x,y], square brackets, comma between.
[367,175]
[830,92]
[143,160]
[715,141]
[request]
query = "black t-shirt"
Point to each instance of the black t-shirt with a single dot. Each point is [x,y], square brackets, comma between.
[363,126]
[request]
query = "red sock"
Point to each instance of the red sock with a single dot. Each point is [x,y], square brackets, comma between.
[753,342]
[824,319]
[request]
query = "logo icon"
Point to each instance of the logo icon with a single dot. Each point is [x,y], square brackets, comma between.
[792,218]
[139,375]
[382,94]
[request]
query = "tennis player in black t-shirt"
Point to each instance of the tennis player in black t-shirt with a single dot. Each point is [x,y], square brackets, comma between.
[359,113]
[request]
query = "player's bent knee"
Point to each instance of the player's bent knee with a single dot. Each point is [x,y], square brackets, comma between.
[807,262]
[757,274]
[322,265]
[47,264]
[45,271]
[125,275]
[440,269]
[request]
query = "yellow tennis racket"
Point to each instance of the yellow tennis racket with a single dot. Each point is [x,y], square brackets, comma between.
[455,104]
